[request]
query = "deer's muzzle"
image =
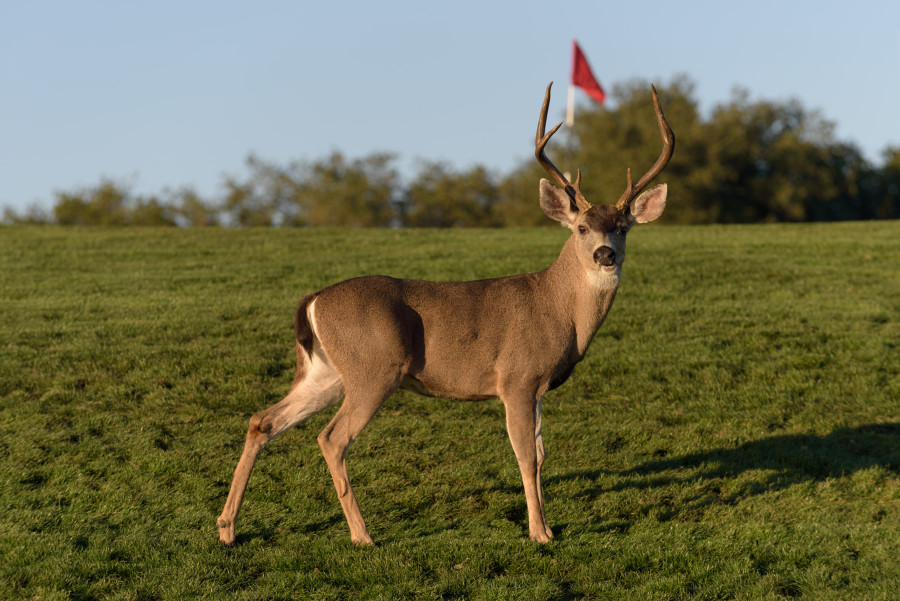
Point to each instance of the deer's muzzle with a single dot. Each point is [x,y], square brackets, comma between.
[605,256]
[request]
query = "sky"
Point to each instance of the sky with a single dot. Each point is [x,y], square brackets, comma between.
[171,94]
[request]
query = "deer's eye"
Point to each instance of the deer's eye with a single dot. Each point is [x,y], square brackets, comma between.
[622,231]
[582,230]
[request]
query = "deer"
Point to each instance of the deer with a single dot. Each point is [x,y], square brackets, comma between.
[514,337]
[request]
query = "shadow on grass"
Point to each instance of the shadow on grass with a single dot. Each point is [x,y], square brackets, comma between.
[270,534]
[782,461]
[795,457]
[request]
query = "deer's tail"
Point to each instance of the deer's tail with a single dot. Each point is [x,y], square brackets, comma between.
[302,327]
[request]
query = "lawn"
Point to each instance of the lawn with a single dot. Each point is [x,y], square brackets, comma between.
[734,431]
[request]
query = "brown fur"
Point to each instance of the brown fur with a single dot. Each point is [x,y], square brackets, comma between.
[514,338]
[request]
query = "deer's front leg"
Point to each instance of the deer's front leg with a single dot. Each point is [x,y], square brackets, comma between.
[523,422]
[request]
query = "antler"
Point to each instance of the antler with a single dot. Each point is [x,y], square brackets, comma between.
[540,140]
[668,138]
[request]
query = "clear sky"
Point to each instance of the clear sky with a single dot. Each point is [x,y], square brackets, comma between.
[178,93]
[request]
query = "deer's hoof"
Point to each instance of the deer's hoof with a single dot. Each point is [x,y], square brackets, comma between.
[226,531]
[363,542]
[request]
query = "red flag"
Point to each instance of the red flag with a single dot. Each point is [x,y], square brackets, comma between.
[582,76]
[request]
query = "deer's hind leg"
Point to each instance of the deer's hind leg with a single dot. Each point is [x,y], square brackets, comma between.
[316,387]
[358,409]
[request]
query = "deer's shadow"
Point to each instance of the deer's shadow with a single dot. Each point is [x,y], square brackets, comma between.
[781,461]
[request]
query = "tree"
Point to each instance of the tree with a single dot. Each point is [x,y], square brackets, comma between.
[335,191]
[518,203]
[252,202]
[191,210]
[331,191]
[750,161]
[103,205]
[441,197]
[149,212]
[776,161]
[887,194]
[35,214]
[110,203]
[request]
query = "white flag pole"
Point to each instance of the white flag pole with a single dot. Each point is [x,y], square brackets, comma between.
[570,121]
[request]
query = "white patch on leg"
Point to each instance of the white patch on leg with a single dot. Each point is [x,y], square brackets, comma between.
[320,388]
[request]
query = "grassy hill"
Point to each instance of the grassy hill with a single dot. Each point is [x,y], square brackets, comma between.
[734,431]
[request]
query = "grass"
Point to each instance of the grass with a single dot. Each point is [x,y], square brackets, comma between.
[734,431]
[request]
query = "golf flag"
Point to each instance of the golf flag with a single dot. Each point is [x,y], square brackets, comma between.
[582,76]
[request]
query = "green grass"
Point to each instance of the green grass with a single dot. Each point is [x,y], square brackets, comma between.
[734,431]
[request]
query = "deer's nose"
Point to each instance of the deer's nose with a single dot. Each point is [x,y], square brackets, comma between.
[605,256]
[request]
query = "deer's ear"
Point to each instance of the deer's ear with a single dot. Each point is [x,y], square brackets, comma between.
[556,203]
[649,205]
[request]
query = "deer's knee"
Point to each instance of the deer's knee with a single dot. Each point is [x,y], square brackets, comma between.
[330,448]
[334,452]
[260,427]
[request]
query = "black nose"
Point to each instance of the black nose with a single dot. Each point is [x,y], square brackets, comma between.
[605,256]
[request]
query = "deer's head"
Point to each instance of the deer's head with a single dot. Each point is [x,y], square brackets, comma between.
[600,230]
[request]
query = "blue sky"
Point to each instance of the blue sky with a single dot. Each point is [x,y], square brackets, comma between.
[170,94]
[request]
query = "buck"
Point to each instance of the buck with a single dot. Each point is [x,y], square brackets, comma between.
[513,337]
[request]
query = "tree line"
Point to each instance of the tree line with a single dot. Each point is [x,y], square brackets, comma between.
[747,161]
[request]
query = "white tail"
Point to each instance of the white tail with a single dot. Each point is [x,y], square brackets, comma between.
[515,338]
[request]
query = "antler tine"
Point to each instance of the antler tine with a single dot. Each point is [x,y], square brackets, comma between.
[540,141]
[668,138]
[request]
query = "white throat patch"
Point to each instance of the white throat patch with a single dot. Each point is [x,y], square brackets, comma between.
[603,279]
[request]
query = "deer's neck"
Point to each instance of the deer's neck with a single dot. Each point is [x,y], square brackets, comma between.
[582,296]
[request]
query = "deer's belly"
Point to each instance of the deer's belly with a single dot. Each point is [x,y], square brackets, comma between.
[465,389]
